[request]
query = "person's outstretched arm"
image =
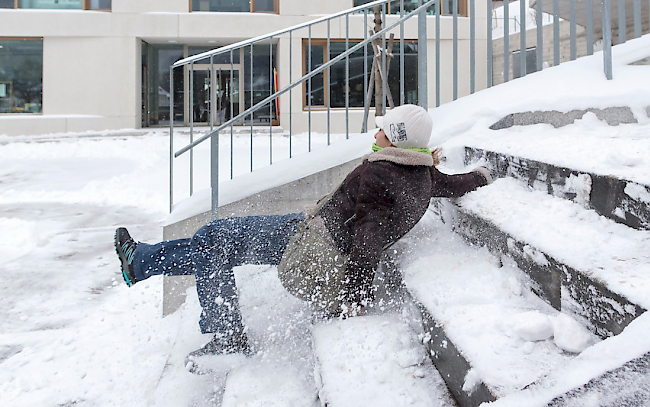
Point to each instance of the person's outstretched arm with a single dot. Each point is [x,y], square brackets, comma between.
[452,186]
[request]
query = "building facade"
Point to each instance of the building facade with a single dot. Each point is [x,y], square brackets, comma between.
[93,65]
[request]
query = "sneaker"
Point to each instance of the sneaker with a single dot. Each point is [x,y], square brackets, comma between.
[196,361]
[125,249]
[223,346]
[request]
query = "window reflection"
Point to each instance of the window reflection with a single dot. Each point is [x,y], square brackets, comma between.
[240,6]
[100,4]
[21,76]
[157,103]
[394,7]
[357,74]
[51,4]
[265,5]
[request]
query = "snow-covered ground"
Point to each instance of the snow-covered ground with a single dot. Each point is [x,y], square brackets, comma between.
[74,334]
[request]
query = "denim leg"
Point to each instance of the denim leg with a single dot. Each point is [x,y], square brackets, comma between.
[171,258]
[226,243]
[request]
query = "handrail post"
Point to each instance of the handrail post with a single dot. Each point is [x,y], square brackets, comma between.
[590,27]
[191,111]
[455,50]
[506,41]
[438,11]
[214,175]
[540,36]
[327,95]
[290,93]
[523,6]
[401,54]
[472,47]
[271,80]
[252,103]
[422,59]
[607,39]
[232,112]
[384,81]
[489,45]
[171,138]
[347,78]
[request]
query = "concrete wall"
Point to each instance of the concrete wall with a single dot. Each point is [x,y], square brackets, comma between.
[531,41]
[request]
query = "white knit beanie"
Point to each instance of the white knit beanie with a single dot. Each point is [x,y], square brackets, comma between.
[407,126]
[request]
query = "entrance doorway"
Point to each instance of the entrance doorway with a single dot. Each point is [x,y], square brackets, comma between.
[225,95]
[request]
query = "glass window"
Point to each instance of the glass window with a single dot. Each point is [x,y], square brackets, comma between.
[21,76]
[409,5]
[241,6]
[336,94]
[235,6]
[337,75]
[58,4]
[99,5]
[261,85]
[265,5]
[51,4]
[317,83]
[156,66]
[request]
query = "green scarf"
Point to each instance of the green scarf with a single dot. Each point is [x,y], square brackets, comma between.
[425,150]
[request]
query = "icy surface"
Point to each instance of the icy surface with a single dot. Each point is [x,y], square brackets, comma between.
[609,252]
[375,361]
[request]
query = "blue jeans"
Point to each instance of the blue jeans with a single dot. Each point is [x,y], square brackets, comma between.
[211,254]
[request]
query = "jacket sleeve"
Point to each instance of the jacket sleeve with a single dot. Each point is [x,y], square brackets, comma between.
[371,227]
[451,186]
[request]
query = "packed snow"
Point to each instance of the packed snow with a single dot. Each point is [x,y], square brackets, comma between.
[486,308]
[606,251]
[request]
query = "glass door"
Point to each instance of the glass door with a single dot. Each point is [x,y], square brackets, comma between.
[226,97]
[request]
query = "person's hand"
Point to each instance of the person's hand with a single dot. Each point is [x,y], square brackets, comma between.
[487,174]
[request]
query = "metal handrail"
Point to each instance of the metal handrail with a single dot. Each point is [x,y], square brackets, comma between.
[306,77]
[548,48]
[261,38]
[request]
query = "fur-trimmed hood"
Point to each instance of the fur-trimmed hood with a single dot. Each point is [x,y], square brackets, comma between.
[401,156]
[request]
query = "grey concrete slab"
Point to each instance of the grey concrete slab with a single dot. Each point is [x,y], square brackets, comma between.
[612,115]
[629,385]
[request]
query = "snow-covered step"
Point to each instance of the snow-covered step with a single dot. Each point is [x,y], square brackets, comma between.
[280,372]
[487,333]
[581,263]
[621,200]
[376,360]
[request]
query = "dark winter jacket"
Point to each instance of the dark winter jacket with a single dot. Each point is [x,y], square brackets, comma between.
[379,202]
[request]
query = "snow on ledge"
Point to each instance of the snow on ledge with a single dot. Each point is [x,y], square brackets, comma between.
[273,176]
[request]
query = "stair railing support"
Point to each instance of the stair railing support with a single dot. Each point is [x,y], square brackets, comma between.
[423,87]
[607,39]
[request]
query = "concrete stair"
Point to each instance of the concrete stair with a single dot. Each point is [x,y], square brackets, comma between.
[579,238]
